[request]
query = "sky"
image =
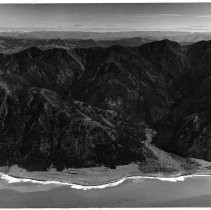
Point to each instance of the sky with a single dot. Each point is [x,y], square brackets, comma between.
[107,17]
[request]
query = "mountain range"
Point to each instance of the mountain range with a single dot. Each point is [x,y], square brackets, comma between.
[71,106]
[30,33]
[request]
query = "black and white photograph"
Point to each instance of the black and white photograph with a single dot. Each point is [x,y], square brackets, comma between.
[105,105]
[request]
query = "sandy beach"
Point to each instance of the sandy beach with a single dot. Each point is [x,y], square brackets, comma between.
[97,176]
[84,176]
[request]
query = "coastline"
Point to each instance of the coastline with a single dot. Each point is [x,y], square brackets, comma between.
[94,178]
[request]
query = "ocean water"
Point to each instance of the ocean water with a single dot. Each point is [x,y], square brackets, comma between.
[131,192]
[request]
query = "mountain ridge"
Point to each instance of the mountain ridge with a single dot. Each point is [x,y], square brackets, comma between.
[86,107]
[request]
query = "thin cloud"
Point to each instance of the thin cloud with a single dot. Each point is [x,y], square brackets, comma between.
[203,16]
[200,26]
[170,15]
[147,15]
[159,15]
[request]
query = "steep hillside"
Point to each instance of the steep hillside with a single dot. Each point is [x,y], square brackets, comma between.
[140,81]
[185,129]
[85,107]
[161,83]
[42,126]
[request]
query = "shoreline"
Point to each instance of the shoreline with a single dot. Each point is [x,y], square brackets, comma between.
[33,177]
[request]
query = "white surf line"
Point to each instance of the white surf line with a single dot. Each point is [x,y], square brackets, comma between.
[11,179]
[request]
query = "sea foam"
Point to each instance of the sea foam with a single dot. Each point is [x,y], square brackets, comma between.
[11,179]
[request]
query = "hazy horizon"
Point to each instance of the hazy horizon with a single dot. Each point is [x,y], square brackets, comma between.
[181,17]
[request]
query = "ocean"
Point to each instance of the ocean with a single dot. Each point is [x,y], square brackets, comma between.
[133,192]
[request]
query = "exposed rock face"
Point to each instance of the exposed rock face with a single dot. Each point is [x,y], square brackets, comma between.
[84,107]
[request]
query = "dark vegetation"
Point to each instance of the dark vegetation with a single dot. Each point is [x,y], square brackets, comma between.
[88,106]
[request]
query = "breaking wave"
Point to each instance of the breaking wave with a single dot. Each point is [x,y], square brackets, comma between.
[11,179]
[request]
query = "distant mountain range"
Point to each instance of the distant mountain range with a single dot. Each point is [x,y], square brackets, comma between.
[179,36]
[11,45]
